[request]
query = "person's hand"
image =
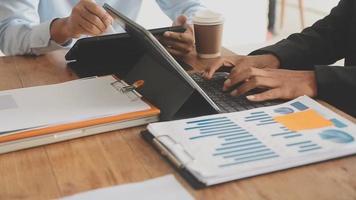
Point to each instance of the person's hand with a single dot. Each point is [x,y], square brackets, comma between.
[280,83]
[179,44]
[87,18]
[241,64]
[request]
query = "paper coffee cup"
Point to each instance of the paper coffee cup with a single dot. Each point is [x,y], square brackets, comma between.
[208,30]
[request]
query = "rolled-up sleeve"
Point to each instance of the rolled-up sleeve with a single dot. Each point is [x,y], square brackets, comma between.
[174,8]
[21,32]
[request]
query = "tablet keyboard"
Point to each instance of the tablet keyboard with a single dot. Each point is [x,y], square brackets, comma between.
[226,102]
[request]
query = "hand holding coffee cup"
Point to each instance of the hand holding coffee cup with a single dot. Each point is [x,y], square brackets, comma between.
[208,30]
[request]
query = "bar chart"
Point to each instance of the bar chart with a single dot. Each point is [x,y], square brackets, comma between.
[237,145]
[260,118]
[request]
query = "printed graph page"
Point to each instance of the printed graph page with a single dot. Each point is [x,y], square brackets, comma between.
[236,145]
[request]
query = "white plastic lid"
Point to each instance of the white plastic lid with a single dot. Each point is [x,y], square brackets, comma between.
[208,17]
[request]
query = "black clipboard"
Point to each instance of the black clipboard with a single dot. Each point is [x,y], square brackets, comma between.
[189,177]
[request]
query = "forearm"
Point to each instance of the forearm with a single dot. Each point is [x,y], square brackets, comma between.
[58,32]
[23,39]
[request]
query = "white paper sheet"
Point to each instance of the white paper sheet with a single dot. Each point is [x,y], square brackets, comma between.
[162,188]
[237,145]
[62,103]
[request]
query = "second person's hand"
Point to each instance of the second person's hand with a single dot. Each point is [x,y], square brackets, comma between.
[179,44]
[87,18]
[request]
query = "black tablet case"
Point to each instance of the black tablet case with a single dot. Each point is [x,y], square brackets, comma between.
[109,54]
[104,55]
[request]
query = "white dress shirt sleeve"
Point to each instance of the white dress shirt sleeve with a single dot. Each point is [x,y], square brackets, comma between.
[175,8]
[21,32]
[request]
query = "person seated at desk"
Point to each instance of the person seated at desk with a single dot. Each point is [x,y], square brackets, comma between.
[39,26]
[298,65]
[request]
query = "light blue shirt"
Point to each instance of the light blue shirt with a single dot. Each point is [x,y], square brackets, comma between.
[25,24]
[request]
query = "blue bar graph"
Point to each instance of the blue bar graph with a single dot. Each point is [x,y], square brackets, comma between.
[252,159]
[310,149]
[254,151]
[238,142]
[266,123]
[224,129]
[240,150]
[284,133]
[206,120]
[219,127]
[256,116]
[208,135]
[238,145]
[235,134]
[255,155]
[309,145]
[260,118]
[257,119]
[237,138]
[298,143]
[230,131]
[304,146]
[256,113]
[284,128]
[213,122]
[211,125]
[267,120]
[292,136]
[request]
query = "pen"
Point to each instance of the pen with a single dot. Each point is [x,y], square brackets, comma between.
[135,85]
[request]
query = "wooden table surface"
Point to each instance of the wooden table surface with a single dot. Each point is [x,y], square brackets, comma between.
[122,156]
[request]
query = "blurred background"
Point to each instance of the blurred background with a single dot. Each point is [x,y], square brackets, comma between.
[247,20]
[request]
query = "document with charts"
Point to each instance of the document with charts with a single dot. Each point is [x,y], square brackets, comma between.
[224,147]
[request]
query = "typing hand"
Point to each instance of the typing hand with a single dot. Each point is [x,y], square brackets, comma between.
[179,44]
[241,64]
[280,83]
[87,18]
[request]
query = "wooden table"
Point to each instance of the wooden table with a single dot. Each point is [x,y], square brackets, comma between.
[119,157]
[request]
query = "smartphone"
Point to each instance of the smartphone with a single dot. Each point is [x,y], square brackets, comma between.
[160,31]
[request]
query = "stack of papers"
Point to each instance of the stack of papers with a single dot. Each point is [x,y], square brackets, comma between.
[162,188]
[224,147]
[78,100]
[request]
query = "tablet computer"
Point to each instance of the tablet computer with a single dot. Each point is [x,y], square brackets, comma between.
[91,47]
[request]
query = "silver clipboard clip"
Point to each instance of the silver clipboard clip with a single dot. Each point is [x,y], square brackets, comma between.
[128,90]
[171,151]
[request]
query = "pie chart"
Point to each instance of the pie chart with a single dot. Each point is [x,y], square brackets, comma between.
[336,136]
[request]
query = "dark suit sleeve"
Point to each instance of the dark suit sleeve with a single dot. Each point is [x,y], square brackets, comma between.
[317,46]
[323,43]
[337,86]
